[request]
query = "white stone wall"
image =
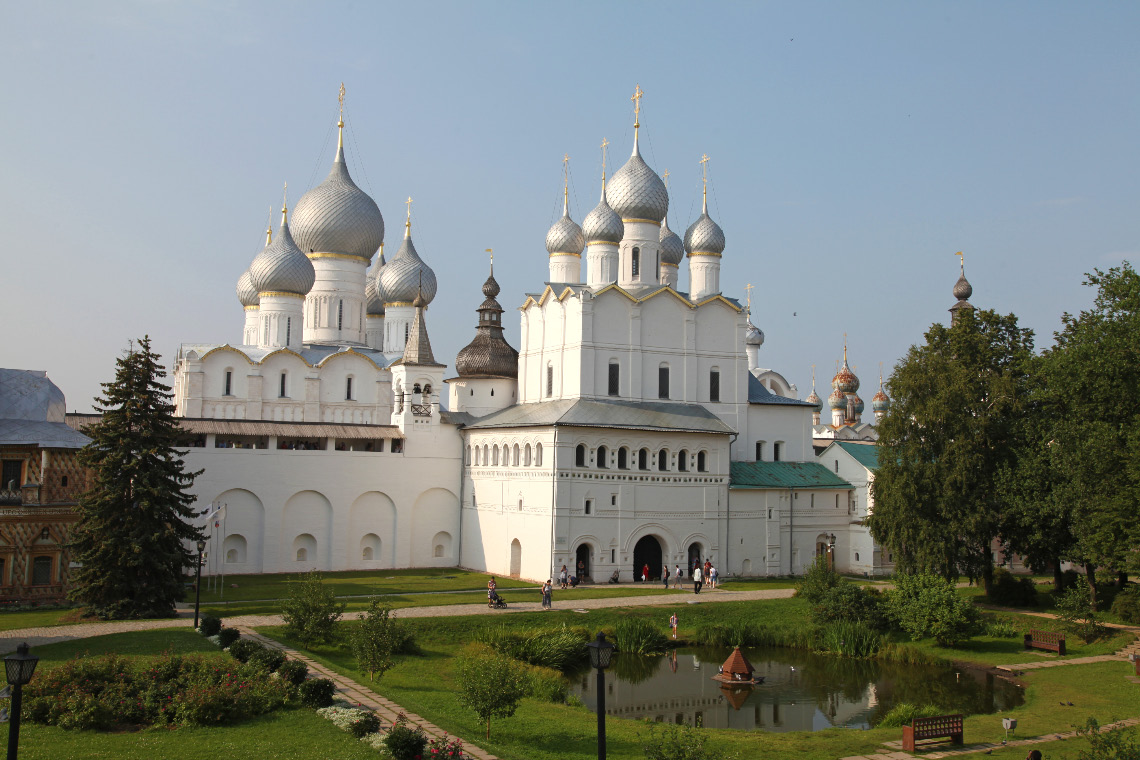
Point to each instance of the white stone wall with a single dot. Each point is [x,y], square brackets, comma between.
[334,308]
[481,395]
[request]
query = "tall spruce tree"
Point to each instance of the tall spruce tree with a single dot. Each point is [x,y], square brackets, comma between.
[134,526]
[945,443]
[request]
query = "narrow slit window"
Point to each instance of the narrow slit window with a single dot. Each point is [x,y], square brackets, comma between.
[229,383]
[281,390]
[339,315]
[714,386]
[636,261]
[614,378]
[549,380]
[663,382]
[288,330]
[348,389]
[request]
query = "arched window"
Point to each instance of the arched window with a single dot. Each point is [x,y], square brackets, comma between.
[281,390]
[683,461]
[348,388]
[777,449]
[495,456]
[614,378]
[526,456]
[759,451]
[580,455]
[635,260]
[467,458]
[663,381]
[643,459]
[603,457]
[515,456]
[486,455]
[229,390]
[302,554]
[623,458]
[538,455]
[714,385]
[702,462]
[549,380]
[663,460]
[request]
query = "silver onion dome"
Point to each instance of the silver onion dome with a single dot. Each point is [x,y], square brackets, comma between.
[704,235]
[373,294]
[603,224]
[336,216]
[636,192]
[281,267]
[672,249]
[565,236]
[246,293]
[406,276]
[962,288]
[753,335]
[814,400]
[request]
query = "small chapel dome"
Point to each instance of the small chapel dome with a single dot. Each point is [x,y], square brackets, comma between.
[753,335]
[565,236]
[281,267]
[489,355]
[880,402]
[246,293]
[336,216]
[837,399]
[814,399]
[373,294]
[962,288]
[406,275]
[859,406]
[672,249]
[602,225]
[704,236]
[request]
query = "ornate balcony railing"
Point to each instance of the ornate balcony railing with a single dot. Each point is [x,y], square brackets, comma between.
[421,410]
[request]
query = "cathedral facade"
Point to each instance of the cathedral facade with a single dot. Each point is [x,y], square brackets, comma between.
[633,427]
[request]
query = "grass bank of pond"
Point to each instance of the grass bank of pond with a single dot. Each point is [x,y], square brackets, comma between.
[545,731]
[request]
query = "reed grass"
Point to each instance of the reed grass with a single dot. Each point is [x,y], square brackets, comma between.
[639,636]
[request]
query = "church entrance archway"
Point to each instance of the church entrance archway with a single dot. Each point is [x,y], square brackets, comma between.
[516,558]
[647,551]
[695,553]
[582,563]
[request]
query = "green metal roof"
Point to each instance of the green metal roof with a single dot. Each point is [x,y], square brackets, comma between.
[784,475]
[865,454]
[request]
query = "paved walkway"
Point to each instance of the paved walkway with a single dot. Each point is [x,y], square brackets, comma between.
[359,694]
[35,637]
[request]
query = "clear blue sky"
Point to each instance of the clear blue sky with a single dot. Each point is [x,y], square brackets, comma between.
[854,148]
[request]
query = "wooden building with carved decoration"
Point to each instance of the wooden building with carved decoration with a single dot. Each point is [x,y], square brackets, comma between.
[40,483]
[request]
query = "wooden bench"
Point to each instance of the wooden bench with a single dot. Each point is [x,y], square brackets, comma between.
[1050,640]
[938,727]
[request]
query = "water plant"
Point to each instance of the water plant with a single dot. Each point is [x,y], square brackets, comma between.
[850,639]
[638,635]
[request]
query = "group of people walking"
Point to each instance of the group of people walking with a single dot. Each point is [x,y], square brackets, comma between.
[702,575]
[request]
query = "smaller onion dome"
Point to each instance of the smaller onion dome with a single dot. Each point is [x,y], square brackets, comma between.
[672,249]
[281,267]
[406,276]
[962,288]
[704,236]
[880,402]
[565,236]
[858,403]
[753,335]
[373,295]
[246,293]
[837,399]
[814,400]
[603,224]
[489,355]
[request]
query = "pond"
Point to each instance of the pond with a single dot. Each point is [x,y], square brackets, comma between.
[802,691]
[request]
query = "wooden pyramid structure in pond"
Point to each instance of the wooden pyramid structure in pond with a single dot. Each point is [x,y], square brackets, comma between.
[737,670]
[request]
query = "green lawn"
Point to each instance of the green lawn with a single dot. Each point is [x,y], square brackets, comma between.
[138,643]
[10,621]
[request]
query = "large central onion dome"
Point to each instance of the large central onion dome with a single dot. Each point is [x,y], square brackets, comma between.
[281,267]
[565,236]
[636,193]
[406,275]
[246,293]
[845,380]
[336,216]
[489,355]
[603,224]
[672,249]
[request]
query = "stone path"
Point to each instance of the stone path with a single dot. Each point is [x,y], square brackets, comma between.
[893,750]
[361,695]
[35,637]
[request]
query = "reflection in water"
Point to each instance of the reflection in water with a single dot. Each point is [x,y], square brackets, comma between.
[801,691]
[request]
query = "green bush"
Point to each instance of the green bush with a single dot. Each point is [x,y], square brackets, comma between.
[190,690]
[903,713]
[1002,629]
[817,580]
[1117,743]
[669,741]
[243,649]
[1074,609]
[404,742]
[1010,590]
[490,683]
[267,659]
[639,636]
[227,636]
[209,625]
[317,692]
[924,605]
[366,724]
[850,639]
[1126,606]
[311,610]
[293,671]
[546,684]
[850,603]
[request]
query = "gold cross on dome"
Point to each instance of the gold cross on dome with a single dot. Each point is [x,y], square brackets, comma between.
[961,261]
[340,100]
[704,162]
[665,176]
[637,96]
[748,288]
[408,203]
[605,144]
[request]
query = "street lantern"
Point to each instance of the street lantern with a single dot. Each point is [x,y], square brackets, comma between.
[18,668]
[198,580]
[601,652]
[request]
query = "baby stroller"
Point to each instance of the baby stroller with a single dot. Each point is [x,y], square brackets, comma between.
[494,601]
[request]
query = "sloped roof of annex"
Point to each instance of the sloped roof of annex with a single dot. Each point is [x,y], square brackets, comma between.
[561,290]
[609,413]
[314,355]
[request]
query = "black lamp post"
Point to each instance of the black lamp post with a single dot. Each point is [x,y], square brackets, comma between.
[600,653]
[831,551]
[18,668]
[198,580]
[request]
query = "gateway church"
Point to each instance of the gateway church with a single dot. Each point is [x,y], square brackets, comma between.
[634,425]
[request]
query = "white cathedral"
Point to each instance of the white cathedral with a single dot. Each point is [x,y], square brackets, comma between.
[633,427]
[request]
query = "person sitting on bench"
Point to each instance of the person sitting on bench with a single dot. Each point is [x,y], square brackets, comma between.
[614,577]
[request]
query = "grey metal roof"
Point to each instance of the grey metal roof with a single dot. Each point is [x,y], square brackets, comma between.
[609,413]
[27,394]
[282,267]
[565,236]
[407,275]
[456,418]
[246,293]
[336,216]
[603,224]
[672,249]
[636,192]
[206,426]
[47,435]
[758,394]
[417,351]
[313,354]
[704,236]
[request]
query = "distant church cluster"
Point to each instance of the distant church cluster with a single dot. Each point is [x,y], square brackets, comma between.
[633,426]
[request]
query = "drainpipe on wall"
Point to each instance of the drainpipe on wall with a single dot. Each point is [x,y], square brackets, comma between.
[728,507]
[791,530]
[553,495]
[462,478]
